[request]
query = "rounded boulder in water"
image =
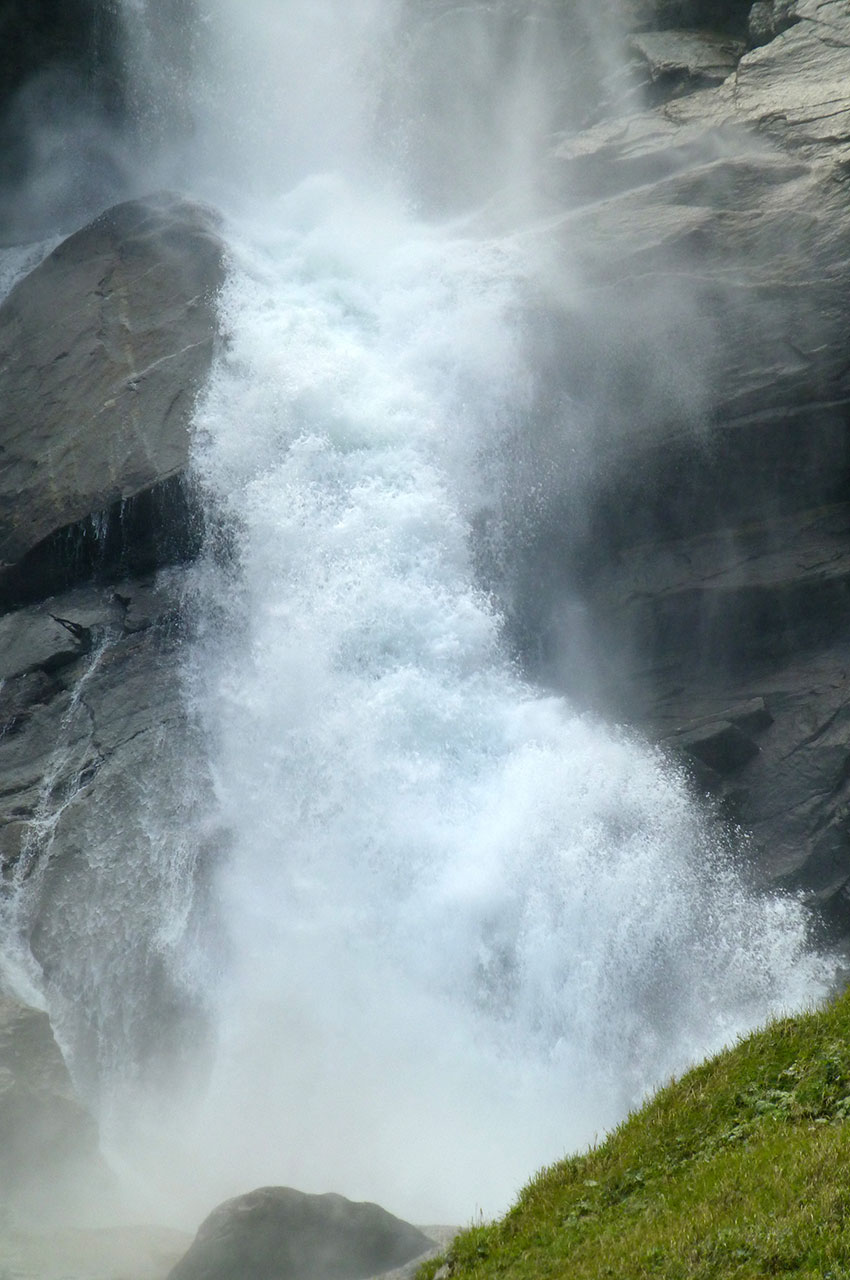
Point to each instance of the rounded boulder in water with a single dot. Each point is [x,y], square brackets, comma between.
[276,1233]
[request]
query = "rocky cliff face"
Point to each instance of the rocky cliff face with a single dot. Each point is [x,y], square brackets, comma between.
[105,346]
[708,354]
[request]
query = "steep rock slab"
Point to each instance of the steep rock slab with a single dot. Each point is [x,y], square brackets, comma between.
[709,245]
[103,349]
[102,804]
[706,316]
[276,1233]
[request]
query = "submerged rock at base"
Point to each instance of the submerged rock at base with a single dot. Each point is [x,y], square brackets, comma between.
[276,1233]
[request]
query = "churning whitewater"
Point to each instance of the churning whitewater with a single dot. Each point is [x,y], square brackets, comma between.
[465,927]
[452,928]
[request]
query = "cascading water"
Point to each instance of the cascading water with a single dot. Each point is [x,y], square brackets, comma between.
[454,928]
[466,928]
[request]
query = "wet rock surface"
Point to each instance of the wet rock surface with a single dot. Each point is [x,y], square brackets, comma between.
[48,1140]
[104,348]
[84,733]
[71,705]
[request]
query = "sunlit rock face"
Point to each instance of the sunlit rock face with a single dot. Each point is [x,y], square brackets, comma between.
[105,347]
[716,562]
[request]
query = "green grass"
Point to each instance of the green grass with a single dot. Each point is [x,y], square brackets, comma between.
[740,1169]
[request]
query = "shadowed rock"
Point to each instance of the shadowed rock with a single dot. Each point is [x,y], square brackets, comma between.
[720,745]
[276,1233]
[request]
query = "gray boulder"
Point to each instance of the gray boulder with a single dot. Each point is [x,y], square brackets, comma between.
[104,348]
[276,1233]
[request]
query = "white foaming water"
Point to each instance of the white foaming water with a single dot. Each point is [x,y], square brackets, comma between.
[458,929]
[465,928]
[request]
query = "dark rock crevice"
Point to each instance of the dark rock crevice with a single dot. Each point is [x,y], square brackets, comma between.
[161,526]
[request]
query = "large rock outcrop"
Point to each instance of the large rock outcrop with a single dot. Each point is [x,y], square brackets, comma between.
[702,349]
[104,348]
[276,1233]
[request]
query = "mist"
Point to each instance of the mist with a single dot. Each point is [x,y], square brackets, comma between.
[392,919]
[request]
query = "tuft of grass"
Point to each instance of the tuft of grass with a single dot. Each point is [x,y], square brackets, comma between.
[737,1170]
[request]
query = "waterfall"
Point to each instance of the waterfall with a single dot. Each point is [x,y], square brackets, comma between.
[455,928]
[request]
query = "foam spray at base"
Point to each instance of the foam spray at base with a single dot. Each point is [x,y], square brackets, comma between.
[455,929]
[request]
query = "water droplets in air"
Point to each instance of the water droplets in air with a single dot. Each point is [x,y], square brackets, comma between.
[452,928]
[466,927]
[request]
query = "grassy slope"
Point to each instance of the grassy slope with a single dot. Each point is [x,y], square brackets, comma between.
[739,1169]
